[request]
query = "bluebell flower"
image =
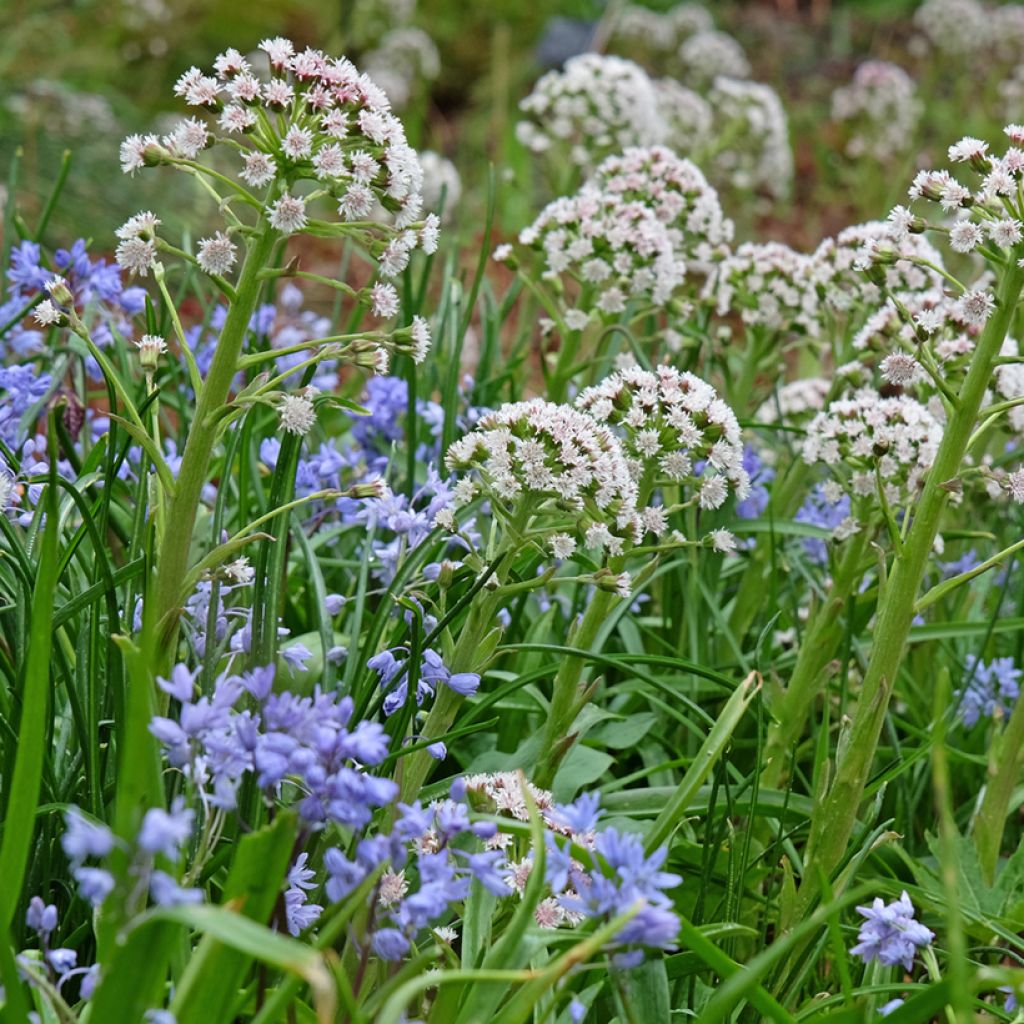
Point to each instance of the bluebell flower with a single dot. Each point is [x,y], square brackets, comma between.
[166,832]
[893,1004]
[41,917]
[181,685]
[166,892]
[62,959]
[991,689]
[818,510]
[390,944]
[83,838]
[94,884]
[890,934]
[761,475]
[580,816]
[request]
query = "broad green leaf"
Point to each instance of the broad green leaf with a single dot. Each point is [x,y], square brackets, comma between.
[209,987]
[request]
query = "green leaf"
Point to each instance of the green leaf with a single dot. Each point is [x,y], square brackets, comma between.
[209,987]
[22,791]
[645,992]
[581,767]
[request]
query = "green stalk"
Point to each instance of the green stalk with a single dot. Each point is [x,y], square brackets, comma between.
[1004,769]
[172,560]
[835,813]
[562,711]
[818,647]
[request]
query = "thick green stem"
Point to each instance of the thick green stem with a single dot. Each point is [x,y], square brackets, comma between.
[172,560]
[820,642]
[561,713]
[835,814]
[1004,770]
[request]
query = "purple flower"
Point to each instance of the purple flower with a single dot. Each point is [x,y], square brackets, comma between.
[817,510]
[41,917]
[893,1004]
[463,683]
[167,831]
[390,944]
[83,838]
[580,816]
[166,892]
[94,884]
[181,685]
[990,689]
[890,934]
[62,960]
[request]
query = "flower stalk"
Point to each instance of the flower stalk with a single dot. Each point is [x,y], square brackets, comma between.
[835,812]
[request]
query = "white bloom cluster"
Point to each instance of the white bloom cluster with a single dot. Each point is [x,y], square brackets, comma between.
[838,264]
[795,402]
[640,26]
[675,428]
[405,58]
[687,116]
[769,285]
[880,110]
[533,456]
[1011,92]
[867,440]
[1009,385]
[594,106]
[678,194]
[613,250]
[440,179]
[313,117]
[709,54]
[955,28]
[755,154]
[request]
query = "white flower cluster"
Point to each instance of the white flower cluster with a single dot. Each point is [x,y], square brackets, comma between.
[709,54]
[594,106]
[640,26]
[754,154]
[537,456]
[674,428]
[839,263]
[1009,385]
[956,28]
[440,180]
[795,402]
[769,285]
[687,116]
[313,117]
[879,109]
[987,217]
[613,251]
[678,194]
[405,58]
[870,441]
[1011,92]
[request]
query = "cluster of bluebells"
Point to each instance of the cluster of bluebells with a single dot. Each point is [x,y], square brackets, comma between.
[393,674]
[878,111]
[595,106]
[161,840]
[92,288]
[874,445]
[303,751]
[827,506]
[434,853]
[990,690]
[890,934]
[59,963]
